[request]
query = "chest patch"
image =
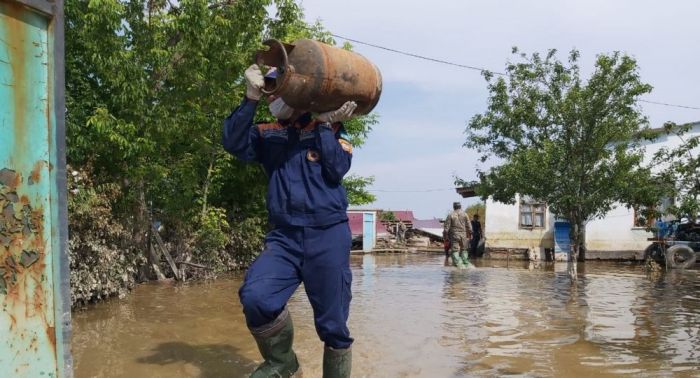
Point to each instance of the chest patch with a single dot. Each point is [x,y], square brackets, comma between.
[313,155]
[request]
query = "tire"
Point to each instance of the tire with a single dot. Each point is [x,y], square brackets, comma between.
[680,257]
[655,253]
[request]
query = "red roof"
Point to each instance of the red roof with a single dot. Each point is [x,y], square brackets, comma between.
[403,215]
[355,219]
[356,228]
[427,223]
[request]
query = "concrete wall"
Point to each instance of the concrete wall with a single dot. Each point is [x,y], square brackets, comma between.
[503,232]
[616,233]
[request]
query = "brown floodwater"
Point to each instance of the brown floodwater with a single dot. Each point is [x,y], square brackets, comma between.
[413,317]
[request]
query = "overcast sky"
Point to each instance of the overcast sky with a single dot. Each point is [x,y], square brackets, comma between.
[416,149]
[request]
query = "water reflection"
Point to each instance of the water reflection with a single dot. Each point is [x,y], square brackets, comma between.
[413,317]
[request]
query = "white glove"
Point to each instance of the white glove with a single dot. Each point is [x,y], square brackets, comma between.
[343,113]
[254,82]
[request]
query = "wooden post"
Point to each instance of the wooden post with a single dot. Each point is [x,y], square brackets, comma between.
[165,253]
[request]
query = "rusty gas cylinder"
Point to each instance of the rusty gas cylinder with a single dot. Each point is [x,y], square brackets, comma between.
[317,77]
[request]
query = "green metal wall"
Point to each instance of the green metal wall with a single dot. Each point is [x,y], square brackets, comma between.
[34,306]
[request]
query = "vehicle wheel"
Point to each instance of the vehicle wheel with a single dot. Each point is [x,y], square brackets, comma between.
[680,257]
[655,253]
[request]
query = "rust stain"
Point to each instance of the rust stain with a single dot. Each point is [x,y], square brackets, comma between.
[35,176]
[51,333]
[10,178]
[22,253]
[16,38]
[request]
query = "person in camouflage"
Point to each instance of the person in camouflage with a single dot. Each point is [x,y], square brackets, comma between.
[458,230]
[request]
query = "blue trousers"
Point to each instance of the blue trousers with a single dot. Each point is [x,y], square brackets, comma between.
[317,256]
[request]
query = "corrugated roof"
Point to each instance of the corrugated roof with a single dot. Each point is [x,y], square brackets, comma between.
[427,223]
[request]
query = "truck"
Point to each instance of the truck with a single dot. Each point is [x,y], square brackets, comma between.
[676,243]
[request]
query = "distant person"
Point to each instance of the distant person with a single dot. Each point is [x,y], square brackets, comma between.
[401,232]
[476,237]
[458,229]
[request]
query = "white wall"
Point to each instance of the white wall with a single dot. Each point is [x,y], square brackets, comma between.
[502,228]
[616,232]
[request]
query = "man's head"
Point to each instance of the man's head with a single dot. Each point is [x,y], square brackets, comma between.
[456,205]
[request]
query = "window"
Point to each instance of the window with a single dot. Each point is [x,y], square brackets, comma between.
[532,214]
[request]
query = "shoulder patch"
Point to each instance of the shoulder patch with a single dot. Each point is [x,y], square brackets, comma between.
[347,146]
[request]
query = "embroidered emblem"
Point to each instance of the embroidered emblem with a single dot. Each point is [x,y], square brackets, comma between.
[345,145]
[313,155]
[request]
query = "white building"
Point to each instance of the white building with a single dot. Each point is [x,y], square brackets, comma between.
[529,224]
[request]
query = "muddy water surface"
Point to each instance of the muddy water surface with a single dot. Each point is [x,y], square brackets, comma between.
[413,317]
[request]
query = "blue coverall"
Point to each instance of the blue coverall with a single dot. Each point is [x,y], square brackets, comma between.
[307,203]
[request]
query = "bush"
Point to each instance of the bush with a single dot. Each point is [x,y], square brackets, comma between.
[101,261]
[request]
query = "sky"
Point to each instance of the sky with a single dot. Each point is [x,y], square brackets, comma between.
[416,150]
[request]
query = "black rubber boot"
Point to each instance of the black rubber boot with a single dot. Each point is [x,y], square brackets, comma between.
[275,344]
[337,362]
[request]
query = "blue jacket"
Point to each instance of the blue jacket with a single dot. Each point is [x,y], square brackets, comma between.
[305,164]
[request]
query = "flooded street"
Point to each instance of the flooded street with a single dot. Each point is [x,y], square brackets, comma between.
[413,317]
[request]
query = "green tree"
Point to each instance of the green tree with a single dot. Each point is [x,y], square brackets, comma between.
[355,187]
[568,142]
[681,171]
[387,216]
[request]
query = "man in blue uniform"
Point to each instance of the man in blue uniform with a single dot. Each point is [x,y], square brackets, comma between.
[305,159]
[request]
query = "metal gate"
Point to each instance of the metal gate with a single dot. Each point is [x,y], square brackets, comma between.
[34,291]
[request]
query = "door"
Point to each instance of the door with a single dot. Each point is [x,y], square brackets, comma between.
[368,231]
[34,291]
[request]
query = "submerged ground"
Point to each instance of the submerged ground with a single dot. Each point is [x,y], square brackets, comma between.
[413,317]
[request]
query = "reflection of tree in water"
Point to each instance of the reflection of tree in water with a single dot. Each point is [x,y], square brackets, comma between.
[212,360]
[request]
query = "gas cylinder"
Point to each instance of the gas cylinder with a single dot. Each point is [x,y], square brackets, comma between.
[317,77]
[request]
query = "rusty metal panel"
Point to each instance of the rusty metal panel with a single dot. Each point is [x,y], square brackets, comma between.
[34,292]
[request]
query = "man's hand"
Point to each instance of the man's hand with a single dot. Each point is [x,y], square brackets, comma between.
[254,82]
[343,113]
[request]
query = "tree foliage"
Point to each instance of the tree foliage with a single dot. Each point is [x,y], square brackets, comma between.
[387,216]
[563,140]
[680,170]
[148,84]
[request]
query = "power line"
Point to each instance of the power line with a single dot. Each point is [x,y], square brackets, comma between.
[409,191]
[665,104]
[473,67]
[419,56]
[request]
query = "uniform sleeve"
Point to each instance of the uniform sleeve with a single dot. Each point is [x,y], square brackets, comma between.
[470,230]
[448,224]
[240,136]
[336,151]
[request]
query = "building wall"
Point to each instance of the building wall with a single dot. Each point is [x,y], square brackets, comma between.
[616,233]
[502,229]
